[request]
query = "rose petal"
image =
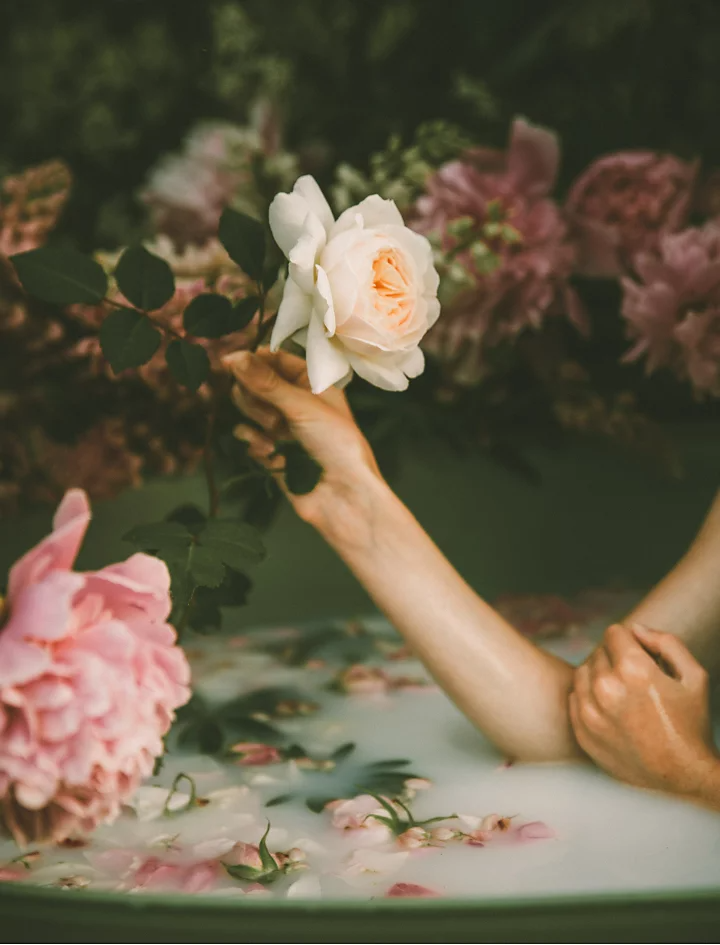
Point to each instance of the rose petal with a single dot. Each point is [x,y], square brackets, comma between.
[293,314]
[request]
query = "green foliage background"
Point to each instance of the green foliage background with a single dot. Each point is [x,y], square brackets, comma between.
[109,86]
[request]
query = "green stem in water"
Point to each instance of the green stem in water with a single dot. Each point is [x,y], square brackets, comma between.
[166,812]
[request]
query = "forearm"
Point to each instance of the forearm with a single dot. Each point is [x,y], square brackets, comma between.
[513,691]
[687,601]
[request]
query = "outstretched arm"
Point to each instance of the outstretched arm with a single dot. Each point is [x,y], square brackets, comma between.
[516,693]
[513,691]
[687,601]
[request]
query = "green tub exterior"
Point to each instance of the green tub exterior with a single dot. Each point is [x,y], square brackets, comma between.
[599,518]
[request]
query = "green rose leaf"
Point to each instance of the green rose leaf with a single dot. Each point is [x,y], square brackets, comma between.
[244,312]
[236,544]
[61,276]
[144,279]
[188,363]
[302,472]
[128,339]
[160,536]
[208,316]
[244,239]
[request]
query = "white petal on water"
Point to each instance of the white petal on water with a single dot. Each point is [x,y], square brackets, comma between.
[307,887]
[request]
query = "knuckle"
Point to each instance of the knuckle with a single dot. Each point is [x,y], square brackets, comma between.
[589,715]
[633,669]
[608,690]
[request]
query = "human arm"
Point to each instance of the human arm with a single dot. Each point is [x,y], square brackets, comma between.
[640,710]
[513,691]
[687,601]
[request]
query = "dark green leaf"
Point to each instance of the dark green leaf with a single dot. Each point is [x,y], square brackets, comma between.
[208,316]
[302,472]
[269,864]
[188,363]
[128,339]
[246,873]
[144,279]
[204,566]
[317,804]
[192,517]
[390,763]
[243,313]
[244,239]
[280,799]
[61,276]
[234,543]
[234,590]
[239,727]
[341,753]
[157,536]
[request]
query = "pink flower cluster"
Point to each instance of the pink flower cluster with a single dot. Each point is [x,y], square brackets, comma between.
[672,306]
[626,216]
[90,677]
[529,279]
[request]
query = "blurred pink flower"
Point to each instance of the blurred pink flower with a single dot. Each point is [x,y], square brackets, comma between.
[621,205]
[154,873]
[672,307]
[540,615]
[255,753]
[410,891]
[90,677]
[529,281]
[188,191]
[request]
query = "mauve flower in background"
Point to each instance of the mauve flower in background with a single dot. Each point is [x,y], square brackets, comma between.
[672,307]
[509,283]
[90,677]
[623,203]
[187,191]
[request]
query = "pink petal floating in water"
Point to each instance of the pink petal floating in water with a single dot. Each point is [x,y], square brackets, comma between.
[536,830]
[410,891]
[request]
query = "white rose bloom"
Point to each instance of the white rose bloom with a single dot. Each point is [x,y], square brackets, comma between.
[361,290]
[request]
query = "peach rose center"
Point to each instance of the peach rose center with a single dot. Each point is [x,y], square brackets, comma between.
[391,285]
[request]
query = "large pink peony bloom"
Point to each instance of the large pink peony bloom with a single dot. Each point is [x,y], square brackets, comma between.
[621,205]
[673,308]
[530,281]
[90,677]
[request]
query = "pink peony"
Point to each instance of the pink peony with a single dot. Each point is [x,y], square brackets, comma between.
[673,307]
[530,278]
[623,203]
[90,677]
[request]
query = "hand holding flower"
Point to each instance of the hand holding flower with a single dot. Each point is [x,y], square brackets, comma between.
[274,391]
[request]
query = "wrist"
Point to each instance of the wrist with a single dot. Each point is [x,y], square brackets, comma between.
[350,511]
